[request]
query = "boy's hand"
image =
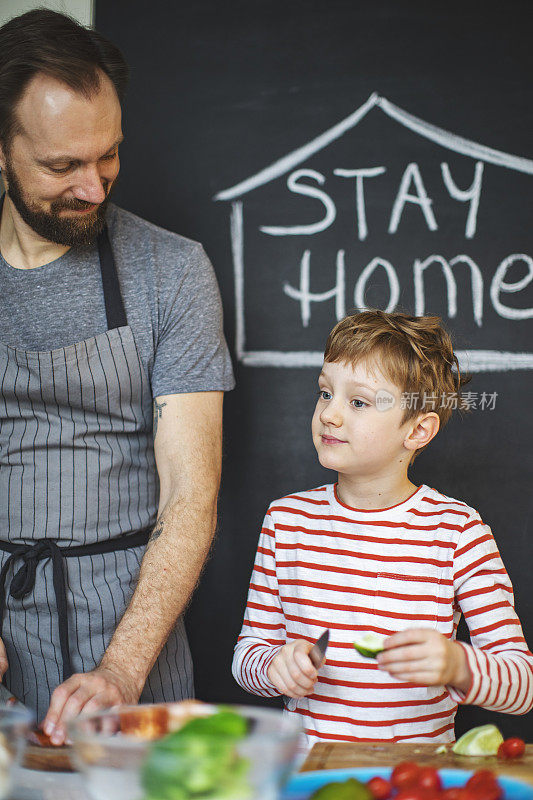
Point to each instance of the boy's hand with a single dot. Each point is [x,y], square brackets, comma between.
[291,670]
[425,656]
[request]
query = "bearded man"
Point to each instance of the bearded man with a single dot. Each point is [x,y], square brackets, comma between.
[113,367]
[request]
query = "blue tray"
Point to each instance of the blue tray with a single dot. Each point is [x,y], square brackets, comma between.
[301,786]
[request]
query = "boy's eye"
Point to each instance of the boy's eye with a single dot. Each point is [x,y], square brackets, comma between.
[324,394]
[359,403]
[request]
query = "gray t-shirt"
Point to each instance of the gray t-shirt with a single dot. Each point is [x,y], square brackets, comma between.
[170,296]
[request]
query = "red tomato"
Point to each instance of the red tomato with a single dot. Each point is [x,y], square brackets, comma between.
[429,778]
[404,774]
[458,793]
[381,789]
[481,776]
[486,791]
[512,748]
[484,786]
[416,793]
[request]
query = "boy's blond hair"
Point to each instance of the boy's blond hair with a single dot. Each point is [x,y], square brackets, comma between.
[415,353]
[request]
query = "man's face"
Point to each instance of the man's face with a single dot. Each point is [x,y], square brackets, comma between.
[59,169]
[357,425]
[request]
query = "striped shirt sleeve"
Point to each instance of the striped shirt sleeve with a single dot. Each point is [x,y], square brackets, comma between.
[263,629]
[500,664]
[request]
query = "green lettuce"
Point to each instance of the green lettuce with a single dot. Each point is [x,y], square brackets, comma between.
[199,761]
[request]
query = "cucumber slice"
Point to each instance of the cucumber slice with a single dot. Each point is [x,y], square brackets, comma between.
[481,741]
[369,644]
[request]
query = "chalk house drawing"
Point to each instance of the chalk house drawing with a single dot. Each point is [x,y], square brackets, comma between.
[473,360]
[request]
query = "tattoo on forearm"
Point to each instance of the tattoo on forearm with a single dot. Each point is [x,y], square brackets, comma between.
[158,413]
[157,531]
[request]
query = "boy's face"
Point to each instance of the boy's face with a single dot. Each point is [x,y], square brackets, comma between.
[356,426]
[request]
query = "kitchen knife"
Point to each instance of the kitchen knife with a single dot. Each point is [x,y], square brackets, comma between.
[318,650]
[316,654]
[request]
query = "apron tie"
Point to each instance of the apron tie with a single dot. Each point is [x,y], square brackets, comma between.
[23,580]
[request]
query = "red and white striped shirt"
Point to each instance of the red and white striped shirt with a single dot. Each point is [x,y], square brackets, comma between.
[321,564]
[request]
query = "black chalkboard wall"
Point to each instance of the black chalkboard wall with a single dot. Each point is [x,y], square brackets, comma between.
[245,125]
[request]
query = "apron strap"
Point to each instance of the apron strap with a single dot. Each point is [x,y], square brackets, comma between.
[114,305]
[23,580]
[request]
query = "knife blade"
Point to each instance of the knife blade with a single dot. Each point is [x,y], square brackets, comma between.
[318,650]
[8,698]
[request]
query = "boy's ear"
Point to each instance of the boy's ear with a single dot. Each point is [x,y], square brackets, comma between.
[424,429]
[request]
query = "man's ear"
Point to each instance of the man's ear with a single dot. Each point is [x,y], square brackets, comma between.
[423,430]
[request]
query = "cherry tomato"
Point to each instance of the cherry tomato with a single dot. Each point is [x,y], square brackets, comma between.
[453,793]
[457,793]
[429,778]
[481,776]
[416,793]
[484,786]
[512,748]
[486,791]
[404,774]
[380,788]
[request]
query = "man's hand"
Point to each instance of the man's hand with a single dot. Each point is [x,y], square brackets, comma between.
[425,656]
[292,671]
[101,688]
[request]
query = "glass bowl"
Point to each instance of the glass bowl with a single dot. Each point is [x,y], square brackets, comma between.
[15,723]
[138,752]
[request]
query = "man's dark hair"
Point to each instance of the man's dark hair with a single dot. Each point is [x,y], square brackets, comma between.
[56,45]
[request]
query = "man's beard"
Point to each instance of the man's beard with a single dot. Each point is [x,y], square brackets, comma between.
[50,225]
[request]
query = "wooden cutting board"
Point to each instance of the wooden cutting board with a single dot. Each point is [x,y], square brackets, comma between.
[51,759]
[158,722]
[343,755]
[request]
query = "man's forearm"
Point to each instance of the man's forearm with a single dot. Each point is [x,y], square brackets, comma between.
[169,572]
[187,449]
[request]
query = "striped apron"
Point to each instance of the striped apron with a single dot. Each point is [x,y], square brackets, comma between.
[78,497]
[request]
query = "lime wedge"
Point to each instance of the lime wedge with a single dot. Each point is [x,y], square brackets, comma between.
[481,741]
[369,644]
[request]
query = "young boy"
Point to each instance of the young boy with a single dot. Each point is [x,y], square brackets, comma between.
[375,553]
